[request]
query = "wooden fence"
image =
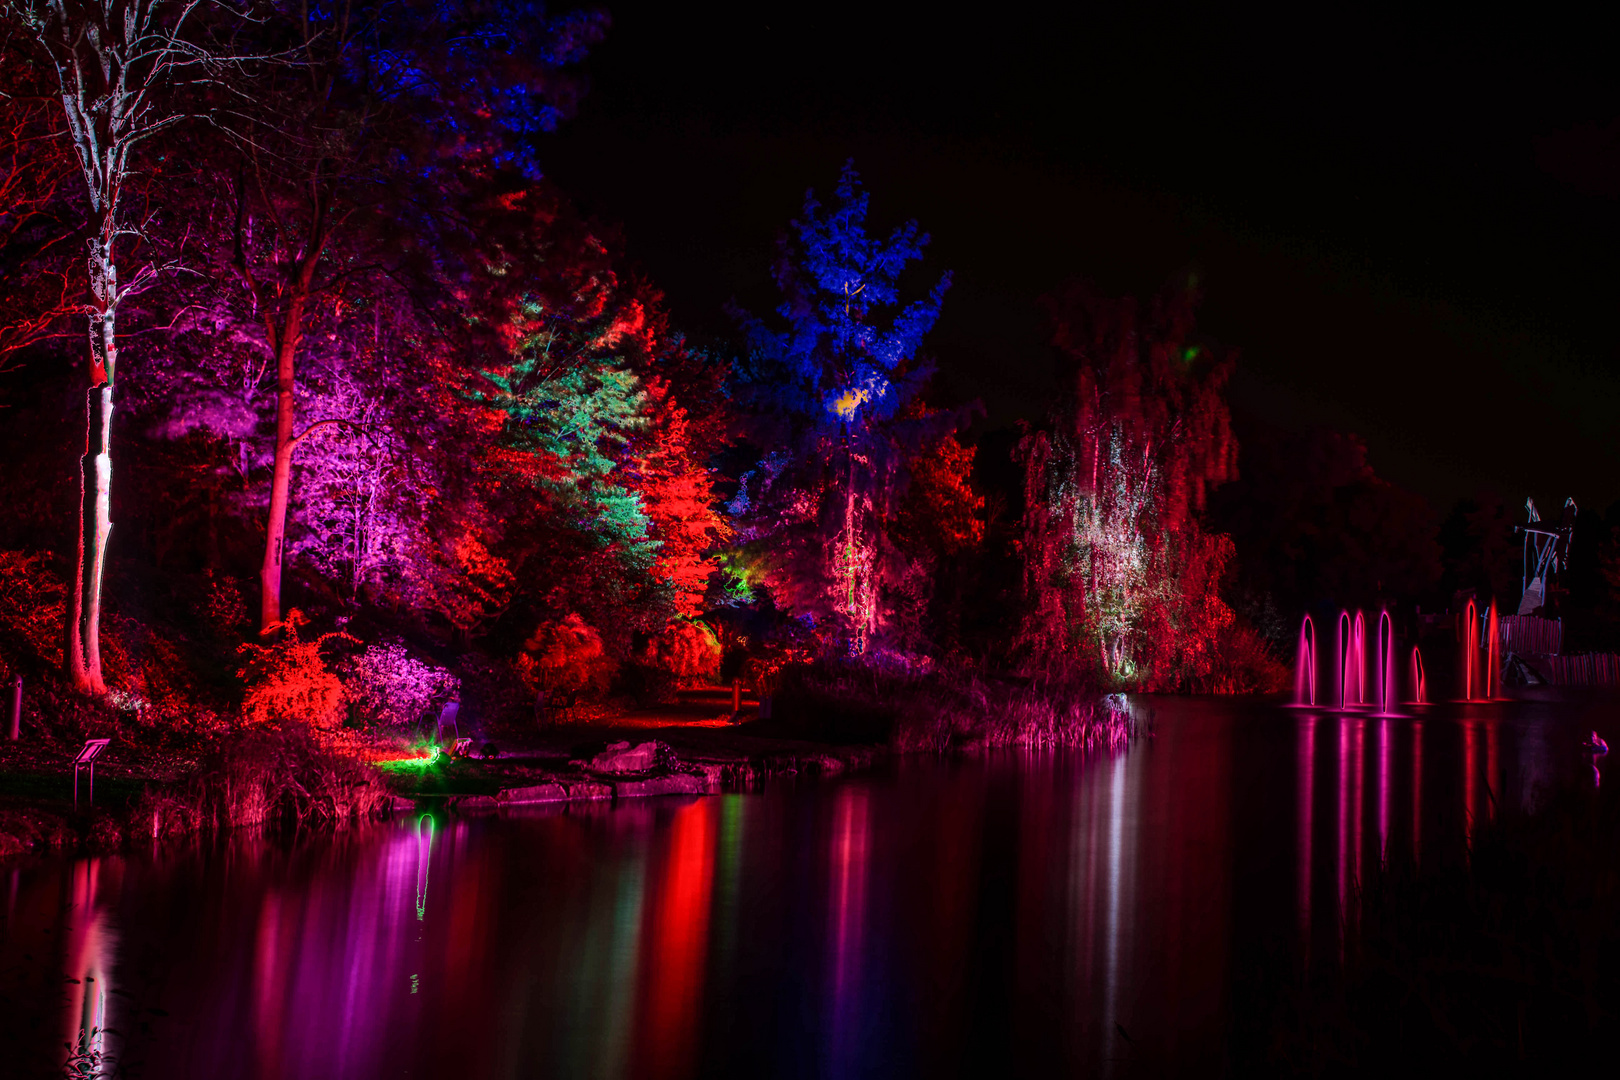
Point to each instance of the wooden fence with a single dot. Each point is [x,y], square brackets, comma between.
[1527,634]
[1593,669]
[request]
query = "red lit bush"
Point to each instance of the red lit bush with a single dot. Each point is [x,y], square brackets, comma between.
[688,650]
[567,656]
[31,612]
[288,681]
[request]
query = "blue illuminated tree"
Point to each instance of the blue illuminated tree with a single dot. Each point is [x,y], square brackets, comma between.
[833,391]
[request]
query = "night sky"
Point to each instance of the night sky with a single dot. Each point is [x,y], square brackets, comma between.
[1406,224]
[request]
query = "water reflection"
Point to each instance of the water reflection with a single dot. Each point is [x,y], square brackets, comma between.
[849,852]
[676,936]
[1015,913]
[89,944]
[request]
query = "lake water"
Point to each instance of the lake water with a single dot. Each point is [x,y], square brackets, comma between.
[1011,913]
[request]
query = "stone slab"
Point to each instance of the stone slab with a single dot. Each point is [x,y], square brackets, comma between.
[675,784]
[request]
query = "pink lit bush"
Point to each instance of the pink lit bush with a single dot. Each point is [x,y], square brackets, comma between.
[393,688]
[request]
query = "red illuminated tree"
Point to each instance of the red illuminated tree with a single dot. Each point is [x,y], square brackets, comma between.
[1120,576]
[37,284]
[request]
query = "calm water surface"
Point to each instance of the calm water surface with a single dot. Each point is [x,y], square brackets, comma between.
[1010,914]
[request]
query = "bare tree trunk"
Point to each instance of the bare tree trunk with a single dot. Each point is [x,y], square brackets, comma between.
[113,60]
[281,481]
[95,474]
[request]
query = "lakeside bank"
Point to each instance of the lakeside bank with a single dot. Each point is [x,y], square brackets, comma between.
[826,722]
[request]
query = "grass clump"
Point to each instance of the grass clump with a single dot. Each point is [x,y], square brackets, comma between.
[277,778]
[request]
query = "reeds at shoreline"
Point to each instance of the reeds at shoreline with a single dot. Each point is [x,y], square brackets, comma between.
[936,711]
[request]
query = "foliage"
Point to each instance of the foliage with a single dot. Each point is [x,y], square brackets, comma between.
[31,609]
[935,711]
[1478,549]
[392,687]
[288,682]
[568,655]
[1121,577]
[1312,522]
[833,400]
[1244,662]
[940,512]
[285,777]
[689,650]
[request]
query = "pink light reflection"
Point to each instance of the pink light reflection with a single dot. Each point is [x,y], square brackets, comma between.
[850,847]
[1307,758]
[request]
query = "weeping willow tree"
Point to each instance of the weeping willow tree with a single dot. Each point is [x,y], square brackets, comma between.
[1120,577]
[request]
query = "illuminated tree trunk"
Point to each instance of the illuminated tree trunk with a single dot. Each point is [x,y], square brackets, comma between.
[114,61]
[286,340]
[83,652]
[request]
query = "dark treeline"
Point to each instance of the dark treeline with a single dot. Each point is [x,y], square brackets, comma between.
[320,401]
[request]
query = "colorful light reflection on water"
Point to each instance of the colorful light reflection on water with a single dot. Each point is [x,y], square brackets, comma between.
[946,918]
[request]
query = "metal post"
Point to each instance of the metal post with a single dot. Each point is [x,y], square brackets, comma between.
[736,695]
[16,709]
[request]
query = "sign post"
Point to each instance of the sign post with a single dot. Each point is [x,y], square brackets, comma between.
[87,760]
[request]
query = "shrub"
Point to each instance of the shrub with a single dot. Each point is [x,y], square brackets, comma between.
[935,712]
[1241,664]
[269,778]
[688,650]
[288,681]
[568,656]
[32,602]
[392,687]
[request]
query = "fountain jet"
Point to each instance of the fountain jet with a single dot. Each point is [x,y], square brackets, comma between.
[1305,664]
[1352,655]
[1385,658]
[1420,690]
[1470,650]
[1492,687]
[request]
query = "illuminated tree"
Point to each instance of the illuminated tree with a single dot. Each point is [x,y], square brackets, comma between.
[1120,576]
[347,155]
[36,223]
[117,63]
[831,395]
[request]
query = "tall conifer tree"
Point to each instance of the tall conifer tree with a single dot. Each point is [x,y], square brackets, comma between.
[831,388]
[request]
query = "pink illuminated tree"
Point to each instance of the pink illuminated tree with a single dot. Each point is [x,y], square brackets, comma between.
[346,158]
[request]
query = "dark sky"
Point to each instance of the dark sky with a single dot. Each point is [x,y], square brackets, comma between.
[1407,224]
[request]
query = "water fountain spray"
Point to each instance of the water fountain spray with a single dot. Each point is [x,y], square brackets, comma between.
[1385,657]
[1305,664]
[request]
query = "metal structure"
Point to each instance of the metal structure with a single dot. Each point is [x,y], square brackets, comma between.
[1546,552]
[91,750]
[447,719]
